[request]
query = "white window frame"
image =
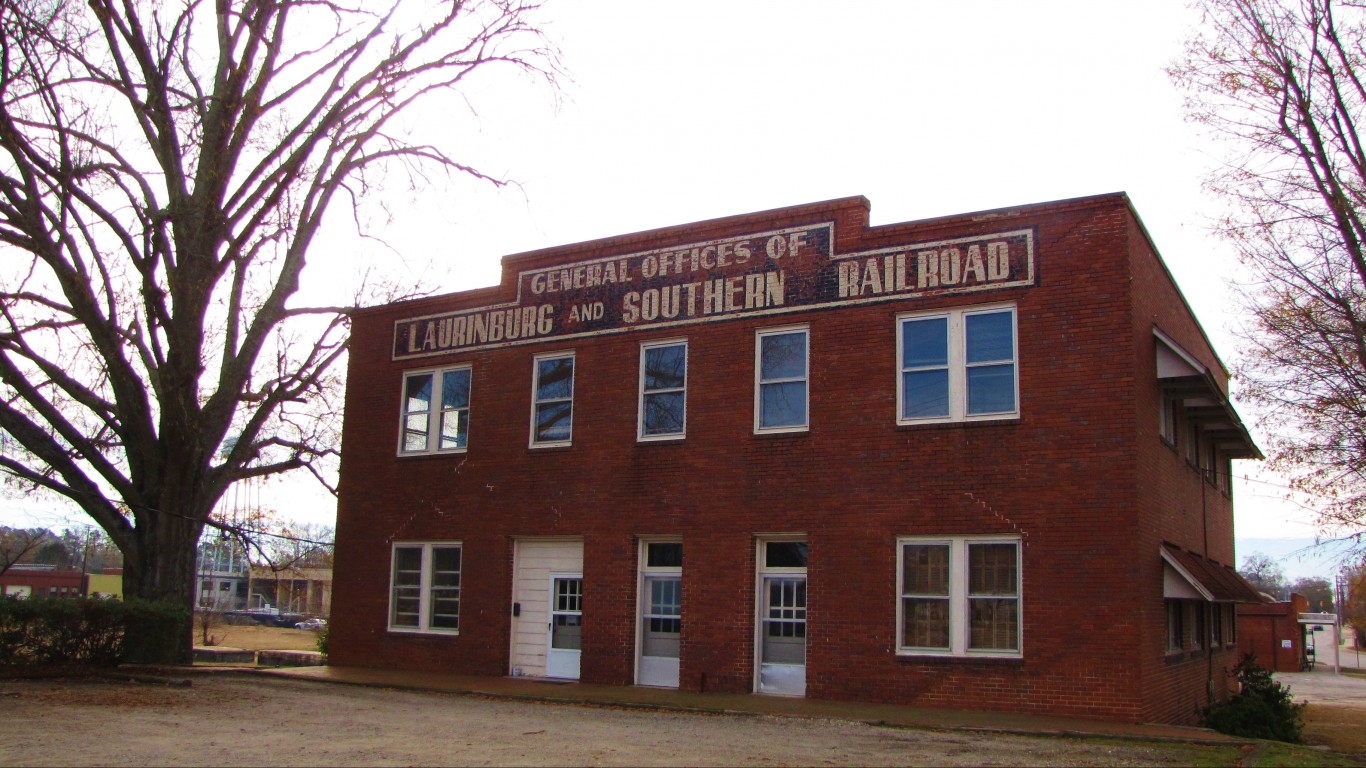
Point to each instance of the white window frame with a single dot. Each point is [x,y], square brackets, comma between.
[957,363]
[425,586]
[960,613]
[536,403]
[760,382]
[683,390]
[435,413]
[644,571]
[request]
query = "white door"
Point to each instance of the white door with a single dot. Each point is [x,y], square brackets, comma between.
[535,561]
[781,642]
[661,626]
[565,626]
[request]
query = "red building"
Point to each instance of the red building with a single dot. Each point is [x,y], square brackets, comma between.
[1272,632]
[980,461]
[37,581]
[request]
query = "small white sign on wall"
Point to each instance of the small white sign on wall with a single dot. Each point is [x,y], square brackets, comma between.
[1286,643]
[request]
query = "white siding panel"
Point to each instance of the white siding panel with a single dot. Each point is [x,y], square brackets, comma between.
[534,561]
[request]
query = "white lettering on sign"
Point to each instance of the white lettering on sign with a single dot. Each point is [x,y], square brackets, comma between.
[480,328]
[767,272]
[712,297]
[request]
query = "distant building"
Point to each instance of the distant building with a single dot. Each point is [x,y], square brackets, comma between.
[224,575]
[108,584]
[980,461]
[42,581]
[294,590]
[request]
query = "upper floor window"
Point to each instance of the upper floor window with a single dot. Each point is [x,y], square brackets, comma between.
[780,397]
[436,411]
[959,596]
[425,587]
[1166,419]
[957,365]
[663,389]
[552,410]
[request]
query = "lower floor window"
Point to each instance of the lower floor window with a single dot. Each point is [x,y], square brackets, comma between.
[425,587]
[959,596]
[1176,631]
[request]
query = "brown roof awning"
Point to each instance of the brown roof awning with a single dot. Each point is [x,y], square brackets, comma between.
[1184,378]
[1215,582]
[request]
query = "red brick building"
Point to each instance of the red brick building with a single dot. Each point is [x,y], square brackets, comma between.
[27,581]
[1273,633]
[979,461]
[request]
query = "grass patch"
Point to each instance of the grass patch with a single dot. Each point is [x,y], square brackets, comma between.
[1343,729]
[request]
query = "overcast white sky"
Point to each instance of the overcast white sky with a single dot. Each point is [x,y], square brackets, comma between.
[678,112]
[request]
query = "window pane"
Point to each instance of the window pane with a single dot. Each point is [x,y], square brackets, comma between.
[555,378]
[925,343]
[415,432]
[406,599]
[663,413]
[785,554]
[925,623]
[567,633]
[664,555]
[783,405]
[417,404]
[455,429]
[553,421]
[925,569]
[666,597]
[419,393]
[991,569]
[990,337]
[455,388]
[782,356]
[991,389]
[925,394]
[665,367]
[995,624]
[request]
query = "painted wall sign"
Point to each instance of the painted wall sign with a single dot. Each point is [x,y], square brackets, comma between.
[784,270]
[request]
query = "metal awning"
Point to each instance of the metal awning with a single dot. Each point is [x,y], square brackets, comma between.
[1188,381]
[1193,576]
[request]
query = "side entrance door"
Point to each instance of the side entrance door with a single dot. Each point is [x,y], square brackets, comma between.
[565,626]
[782,618]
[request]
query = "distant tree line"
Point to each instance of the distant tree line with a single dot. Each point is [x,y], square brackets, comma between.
[82,547]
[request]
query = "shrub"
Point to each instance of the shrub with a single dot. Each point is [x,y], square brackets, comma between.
[84,631]
[323,637]
[1262,709]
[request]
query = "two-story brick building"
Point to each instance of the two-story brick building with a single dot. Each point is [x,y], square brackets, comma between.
[978,461]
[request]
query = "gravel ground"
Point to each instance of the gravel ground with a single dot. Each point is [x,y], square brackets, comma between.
[258,721]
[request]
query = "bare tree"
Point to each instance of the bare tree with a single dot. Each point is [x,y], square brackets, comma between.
[1281,82]
[15,543]
[1265,574]
[290,552]
[164,170]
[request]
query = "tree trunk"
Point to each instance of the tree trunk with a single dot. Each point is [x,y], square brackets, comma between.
[163,570]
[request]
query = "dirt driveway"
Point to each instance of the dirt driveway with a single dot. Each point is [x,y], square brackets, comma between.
[229,720]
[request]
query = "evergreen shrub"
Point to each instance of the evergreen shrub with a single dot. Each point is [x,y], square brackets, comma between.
[1262,708]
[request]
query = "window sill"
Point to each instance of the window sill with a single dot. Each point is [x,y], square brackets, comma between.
[434,454]
[406,632]
[1004,421]
[662,440]
[774,434]
[549,447]
[944,657]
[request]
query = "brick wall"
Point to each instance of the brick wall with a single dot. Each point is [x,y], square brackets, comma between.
[1079,477]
